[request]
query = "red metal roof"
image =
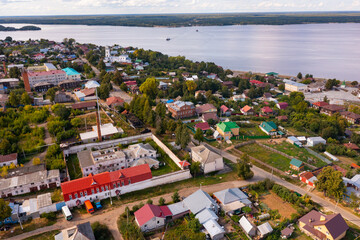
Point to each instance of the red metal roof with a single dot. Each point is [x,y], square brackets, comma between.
[147,212]
[184,163]
[256,82]
[320,104]
[112,100]
[266,110]
[203,126]
[9,157]
[45,73]
[105,178]
[224,108]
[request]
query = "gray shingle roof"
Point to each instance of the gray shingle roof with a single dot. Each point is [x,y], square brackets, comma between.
[198,201]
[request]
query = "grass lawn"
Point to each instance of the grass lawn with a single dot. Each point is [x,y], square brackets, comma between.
[254,131]
[73,166]
[28,226]
[44,236]
[162,170]
[274,159]
[293,131]
[296,152]
[170,165]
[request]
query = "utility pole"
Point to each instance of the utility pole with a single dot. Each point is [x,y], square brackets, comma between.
[110,195]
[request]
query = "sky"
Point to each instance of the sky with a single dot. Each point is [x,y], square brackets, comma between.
[81,7]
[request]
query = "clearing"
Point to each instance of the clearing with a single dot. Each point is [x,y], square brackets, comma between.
[274,202]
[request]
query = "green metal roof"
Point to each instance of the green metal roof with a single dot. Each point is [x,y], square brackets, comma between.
[227,126]
[269,126]
[296,163]
[70,71]
[272,73]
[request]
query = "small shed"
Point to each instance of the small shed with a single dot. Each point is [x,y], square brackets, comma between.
[286,233]
[265,229]
[296,165]
[312,141]
[247,226]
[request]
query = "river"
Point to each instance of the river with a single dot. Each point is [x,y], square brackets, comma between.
[324,50]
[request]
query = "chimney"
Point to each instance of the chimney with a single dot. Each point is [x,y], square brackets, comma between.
[98,126]
[5,71]
[25,78]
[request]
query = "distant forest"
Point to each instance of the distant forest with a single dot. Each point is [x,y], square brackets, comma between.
[181,20]
[25,28]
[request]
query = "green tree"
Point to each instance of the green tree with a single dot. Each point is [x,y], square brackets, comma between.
[282,87]
[14,99]
[195,168]
[61,111]
[51,93]
[194,225]
[149,88]
[331,183]
[25,99]
[178,135]
[146,111]
[5,210]
[101,65]
[76,122]
[243,168]
[36,161]
[185,137]
[161,201]
[14,72]
[176,197]
[199,135]
[299,76]
[101,231]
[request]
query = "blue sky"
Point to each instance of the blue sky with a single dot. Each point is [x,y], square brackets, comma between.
[71,7]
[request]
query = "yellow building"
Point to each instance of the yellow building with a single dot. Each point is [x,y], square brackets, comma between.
[323,227]
[228,129]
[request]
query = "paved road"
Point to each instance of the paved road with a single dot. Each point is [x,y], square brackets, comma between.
[117,92]
[325,203]
[110,216]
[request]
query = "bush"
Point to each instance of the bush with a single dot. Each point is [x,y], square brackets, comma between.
[235,218]
[49,216]
[101,231]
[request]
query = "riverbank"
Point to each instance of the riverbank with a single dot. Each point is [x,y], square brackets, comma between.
[182,20]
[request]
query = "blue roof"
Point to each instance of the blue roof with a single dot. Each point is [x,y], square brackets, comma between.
[70,71]
[170,101]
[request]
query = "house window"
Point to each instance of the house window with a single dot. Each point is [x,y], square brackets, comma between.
[81,194]
[114,185]
[118,184]
[102,189]
[85,193]
[97,190]
[129,181]
[92,191]
[106,187]
[158,222]
[70,196]
[76,196]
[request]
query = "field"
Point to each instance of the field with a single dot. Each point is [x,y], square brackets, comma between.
[296,152]
[276,203]
[253,131]
[274,159]
[91,119]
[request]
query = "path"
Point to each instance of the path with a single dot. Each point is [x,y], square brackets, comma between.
[117,92]
[109,216]
[97,72]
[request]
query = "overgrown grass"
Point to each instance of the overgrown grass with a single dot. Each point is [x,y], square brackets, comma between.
[73,166]
[274,159]
[298,153]
[164,157]
[44,236]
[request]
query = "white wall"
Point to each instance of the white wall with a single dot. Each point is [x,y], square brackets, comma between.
[106,144]
[167,150]
[155,181]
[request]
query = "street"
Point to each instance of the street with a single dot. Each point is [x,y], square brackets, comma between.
[109,217]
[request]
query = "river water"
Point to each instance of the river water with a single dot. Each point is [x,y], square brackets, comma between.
[324,50]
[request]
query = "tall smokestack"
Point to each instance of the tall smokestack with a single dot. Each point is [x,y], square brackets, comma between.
[5,71]
[25,78]
[98,126]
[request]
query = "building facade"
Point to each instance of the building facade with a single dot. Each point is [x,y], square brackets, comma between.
[180,109]
[32,182]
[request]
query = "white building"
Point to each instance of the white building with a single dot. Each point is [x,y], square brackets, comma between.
[210,161]
[247,226]
[232,200]
[120,59]
[215,231]
[292,86]
[107,130]
[312,141]
[52,77]
[7,160]
[32,182]
[264,229]
[113,159]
